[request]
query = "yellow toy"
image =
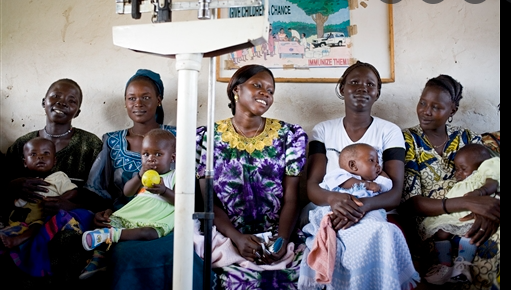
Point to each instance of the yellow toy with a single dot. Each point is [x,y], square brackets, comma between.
[150,178]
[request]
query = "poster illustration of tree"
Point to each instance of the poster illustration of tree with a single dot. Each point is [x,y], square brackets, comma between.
[303,34]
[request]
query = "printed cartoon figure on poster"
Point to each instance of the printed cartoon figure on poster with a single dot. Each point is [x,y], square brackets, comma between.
[304,34]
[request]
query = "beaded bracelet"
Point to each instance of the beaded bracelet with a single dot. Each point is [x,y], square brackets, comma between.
[443,205]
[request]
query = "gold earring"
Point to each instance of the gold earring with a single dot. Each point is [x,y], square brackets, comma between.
[236,97]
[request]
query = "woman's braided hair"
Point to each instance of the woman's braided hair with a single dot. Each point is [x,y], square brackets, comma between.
[448,84]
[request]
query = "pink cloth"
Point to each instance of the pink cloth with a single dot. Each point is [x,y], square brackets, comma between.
[224,253]
[322,255]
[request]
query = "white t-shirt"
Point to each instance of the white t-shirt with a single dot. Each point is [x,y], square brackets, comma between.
[381,134]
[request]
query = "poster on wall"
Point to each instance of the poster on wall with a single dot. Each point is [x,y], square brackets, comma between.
[296,39]
[309,41]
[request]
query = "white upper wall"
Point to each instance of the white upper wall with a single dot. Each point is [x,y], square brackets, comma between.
[42,41]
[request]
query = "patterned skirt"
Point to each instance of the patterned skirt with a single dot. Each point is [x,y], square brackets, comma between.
[235,277]
[33,256]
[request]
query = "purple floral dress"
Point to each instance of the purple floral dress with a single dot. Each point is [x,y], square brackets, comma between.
[248,183]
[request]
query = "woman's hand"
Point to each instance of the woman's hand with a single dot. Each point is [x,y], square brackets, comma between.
[52,204]
[482,229]
[486,206]
[346,210]
[102,219]
[249,247]
[276,256]
[26,188]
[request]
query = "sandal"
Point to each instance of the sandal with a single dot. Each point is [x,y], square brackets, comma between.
[96,264]
[97,237]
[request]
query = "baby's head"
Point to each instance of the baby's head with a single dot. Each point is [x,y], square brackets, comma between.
[468,159]
[39,155]
[158,150]
[360,159]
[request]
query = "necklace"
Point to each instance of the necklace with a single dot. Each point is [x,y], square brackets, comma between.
[135,134]
[242,133]
[237,141]
[59,135]
[441,145]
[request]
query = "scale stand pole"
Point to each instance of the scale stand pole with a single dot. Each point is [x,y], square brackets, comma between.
[188,67]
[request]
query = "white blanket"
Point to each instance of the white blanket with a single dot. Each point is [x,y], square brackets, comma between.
[372,254]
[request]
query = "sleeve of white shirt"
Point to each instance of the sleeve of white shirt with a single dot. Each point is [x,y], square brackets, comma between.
[318,133]
[394,137]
